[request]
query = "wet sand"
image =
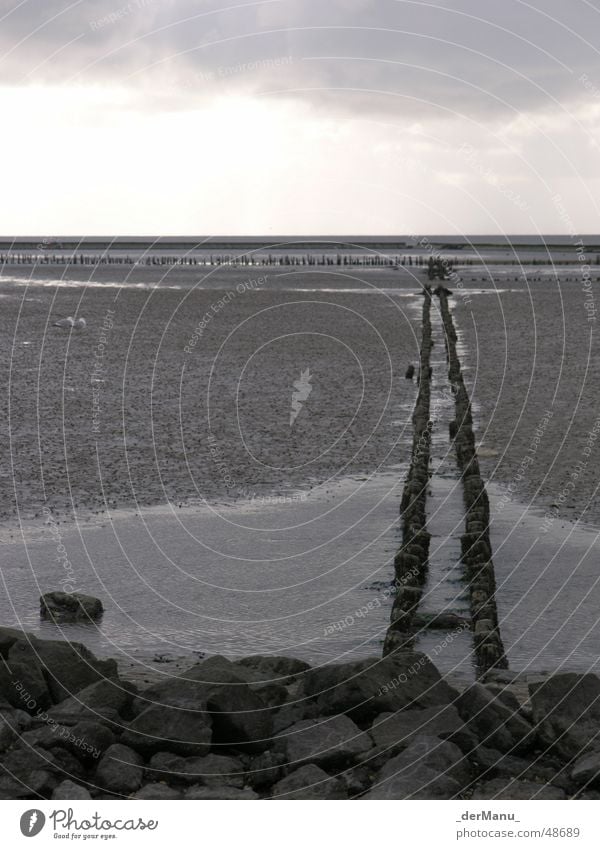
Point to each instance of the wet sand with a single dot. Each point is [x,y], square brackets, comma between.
[190,395]
[208,523]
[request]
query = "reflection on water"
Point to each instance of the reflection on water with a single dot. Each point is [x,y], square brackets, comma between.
[242,579]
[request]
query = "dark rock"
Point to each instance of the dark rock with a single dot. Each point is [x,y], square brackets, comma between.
[366,688]
[47,735]
[215,687]
[213,771]
[23,686]
[12,724]
[26,759]
[376,758]
[102,700]
[309,782]
[239,715]
[69,790]
[500,788]
[174,729]
[494,764]
[272,668]
[506,697]
[157,791]
[67,667]
[27,772]
[293,712]
[586,769]
[333,741]
[89,740]
[421,783]
[265,770]
[566,710]
[495,724]
[70,607]
[9,636]
[210,770]
[165,766]
[357,780]
[444,621]
[231,794]
[120,770]
[38,783]
[396,731]
[67,764]
[428,769]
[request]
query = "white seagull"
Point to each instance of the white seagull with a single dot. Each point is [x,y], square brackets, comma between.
[69,321]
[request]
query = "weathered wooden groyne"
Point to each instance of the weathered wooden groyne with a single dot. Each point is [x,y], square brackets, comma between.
[475,542]
[410,563]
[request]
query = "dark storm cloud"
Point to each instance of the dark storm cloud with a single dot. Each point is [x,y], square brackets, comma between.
[469,56]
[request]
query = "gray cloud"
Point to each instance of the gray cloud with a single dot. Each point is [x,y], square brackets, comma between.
[390,56]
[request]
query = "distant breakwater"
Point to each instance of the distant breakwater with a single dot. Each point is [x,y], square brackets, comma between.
[273,259]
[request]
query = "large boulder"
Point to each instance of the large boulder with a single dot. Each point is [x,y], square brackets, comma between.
[172,729]
[396,731]
[330,741]
[70,607]
[238,715]
[88,740]
[309,782]
[271,688]
[9,636]
[67,667]
[566,711]
[24,686]
[493,722]
[103,700]
[293,712]
[429,768]
[120,770]
[366,688]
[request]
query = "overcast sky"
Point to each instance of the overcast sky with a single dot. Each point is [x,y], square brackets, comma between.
[299,116]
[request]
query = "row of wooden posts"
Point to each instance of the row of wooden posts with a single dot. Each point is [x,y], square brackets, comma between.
[437,267]
[476,548]
[412,560]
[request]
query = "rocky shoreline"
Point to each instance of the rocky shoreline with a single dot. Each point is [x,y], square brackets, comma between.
[274,728]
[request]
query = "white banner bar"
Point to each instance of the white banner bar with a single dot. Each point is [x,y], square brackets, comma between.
[289,824]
